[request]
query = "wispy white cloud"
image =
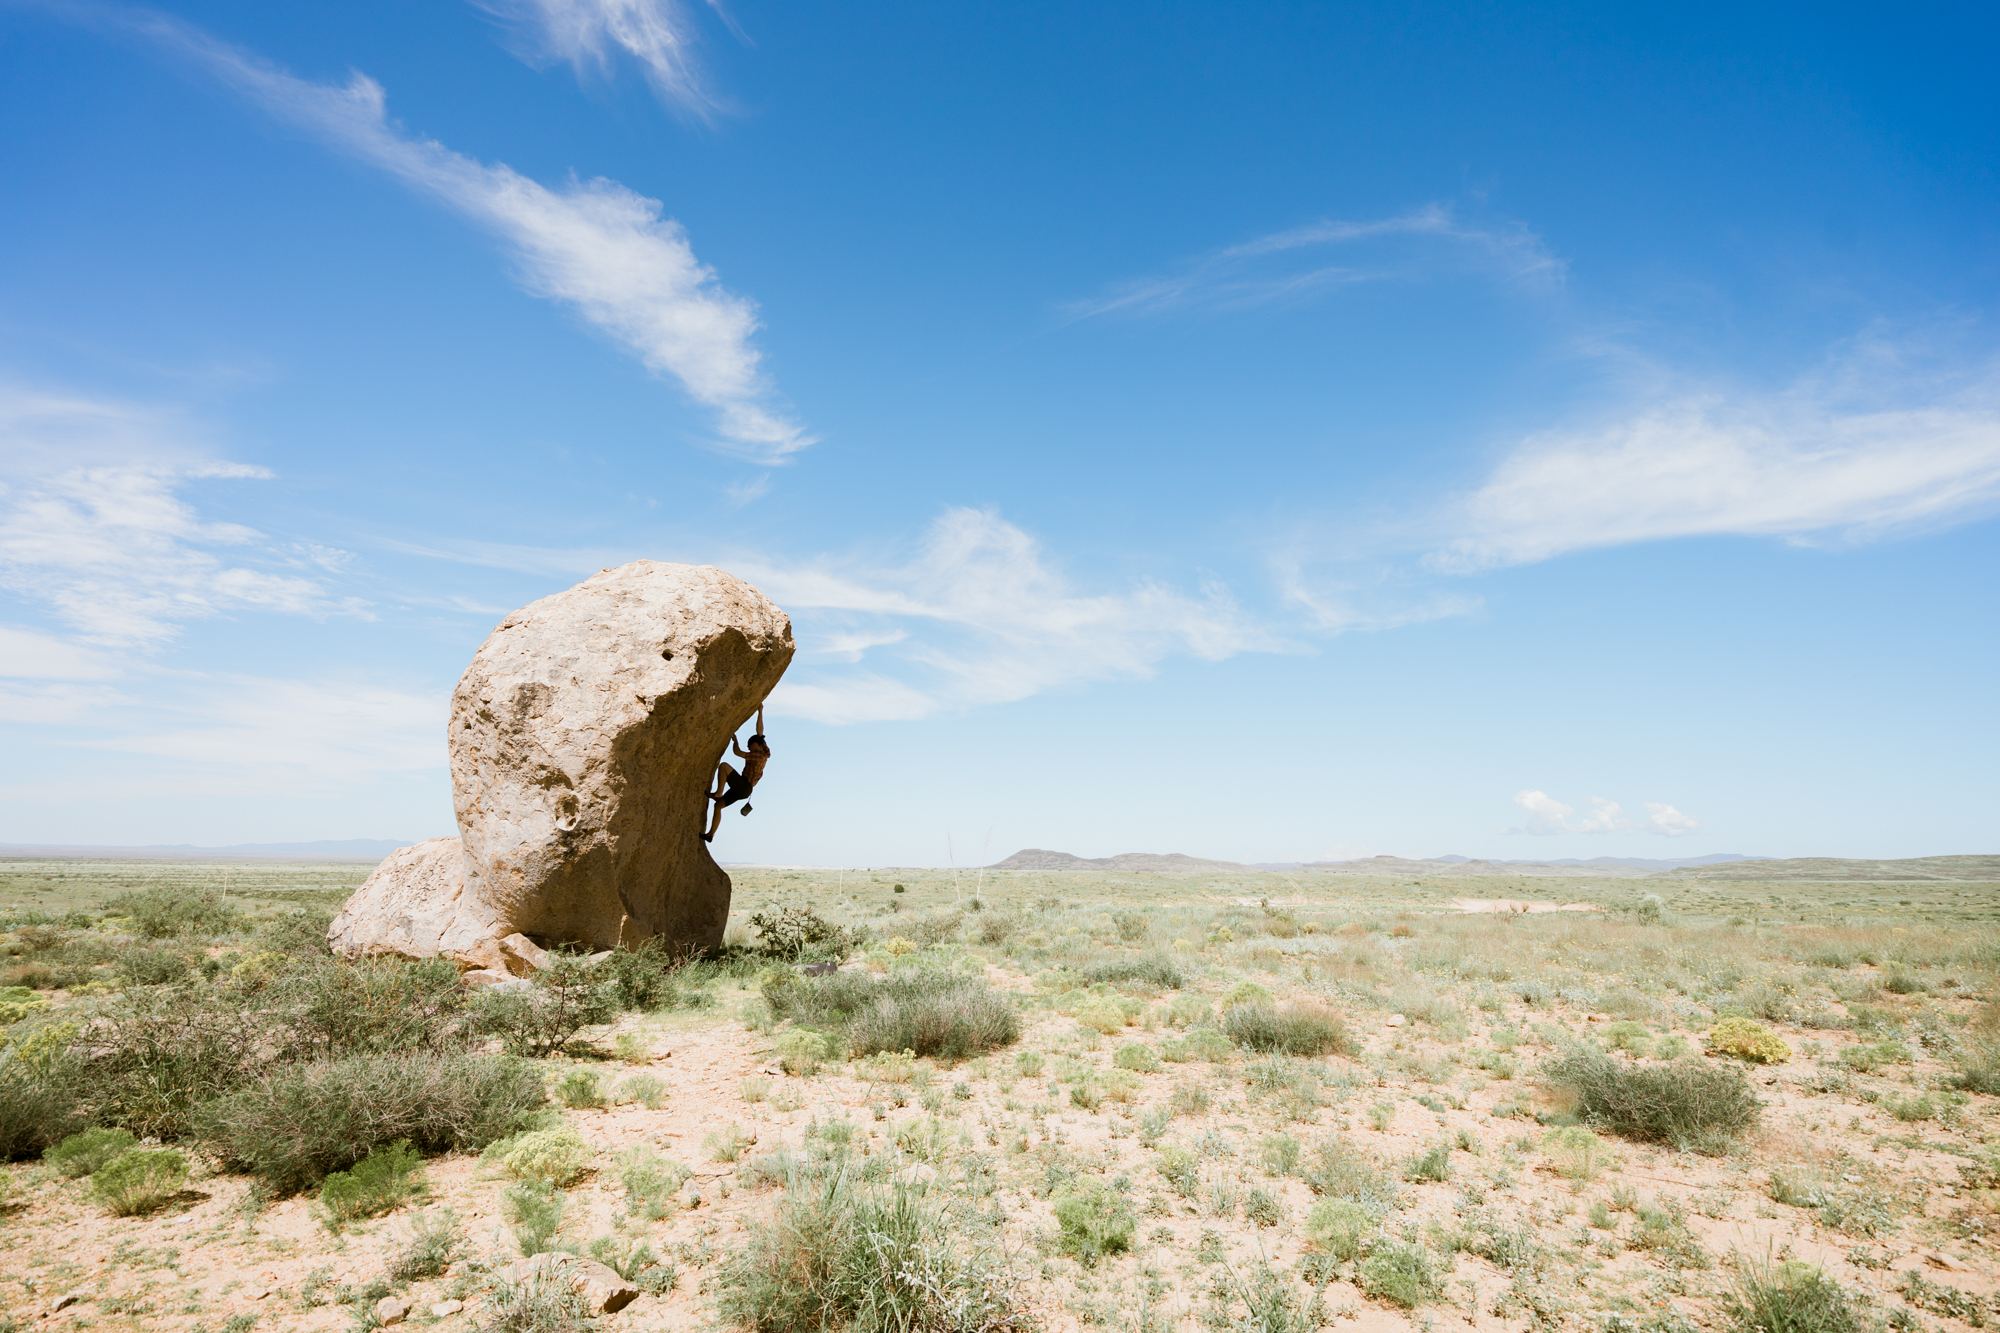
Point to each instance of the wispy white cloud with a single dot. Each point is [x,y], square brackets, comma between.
[1342,605]
[1664,819]
[1283,266]
[980,615]
[1548,816]
[1861,450]
[595,246]
[110,545]
[659,34]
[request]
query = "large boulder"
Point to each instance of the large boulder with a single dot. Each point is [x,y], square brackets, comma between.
[583,740]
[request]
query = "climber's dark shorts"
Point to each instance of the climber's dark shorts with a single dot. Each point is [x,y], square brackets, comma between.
[737,790]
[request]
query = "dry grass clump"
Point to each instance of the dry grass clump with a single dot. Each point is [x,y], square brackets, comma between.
[924,1011]
[842,1255]
[1790,1298]
[1296,1028]
[1687,1103]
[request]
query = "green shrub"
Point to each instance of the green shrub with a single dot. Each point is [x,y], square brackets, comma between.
[650,1182]
[1279,1154]
[799,934]
[299,1122]
[644,976]
[1339,1227]
[1262,1207]
[1689,1104]
[1199,1044]
[41,1102]
[139,1181]
[1154,969]
[1747,1040]
[1399,1272]
[160,966]
[1095,1220]
[926,1011]
[644,1089]
[840,1255]
[382,1180]
[82,1154]
[557,1156]
[802,1051]
[1246,992]
[435,1240]
[1295,1029]
[1337,1170]
[1137,1055]
[336,1007]
[1871,1056]
[162,913]
[1576,1153]
[568,994]
[1790,1298]
[1433,1164]
[534,1208]
[1628,1036]
[580,1090]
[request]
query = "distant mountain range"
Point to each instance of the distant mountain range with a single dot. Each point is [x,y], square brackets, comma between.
[1039,858]
[348,849]
[1721,865]
[1035,858]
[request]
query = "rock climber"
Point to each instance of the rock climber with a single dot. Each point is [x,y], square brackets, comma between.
[731,786]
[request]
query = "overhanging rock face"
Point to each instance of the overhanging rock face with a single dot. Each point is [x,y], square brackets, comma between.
[583,739]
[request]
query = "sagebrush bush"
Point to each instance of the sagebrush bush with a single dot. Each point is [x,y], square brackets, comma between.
[82,1154]
[1339,1226]
[41,1102]
[1689,1103]
[1399,1272]
[1137,1055]
[925,1011]
[335,1007]
[1094,1220]
[1292,1029]
[841,1255]
[580,1090]
[382,1180]
[1155,969]
[557,1155]
[1336,1169]
[139,1181]
[1747,1040]
[161,913]
[799,934]
[298,1122]
[1790,1298]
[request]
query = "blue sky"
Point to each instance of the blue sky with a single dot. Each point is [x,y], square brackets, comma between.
[1265,432]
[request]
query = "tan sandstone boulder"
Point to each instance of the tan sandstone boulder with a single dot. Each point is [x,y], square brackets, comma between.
[583,739]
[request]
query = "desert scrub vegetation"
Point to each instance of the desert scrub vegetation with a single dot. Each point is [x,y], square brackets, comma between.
[1790,1297]
[1747,1040]
[1685,1103]
[924,1010]
[1300,1027]
[840,1253]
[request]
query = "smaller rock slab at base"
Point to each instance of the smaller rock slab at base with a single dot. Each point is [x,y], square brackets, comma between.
[600,1286]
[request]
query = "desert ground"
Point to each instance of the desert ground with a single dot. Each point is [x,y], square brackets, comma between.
[1224,1101]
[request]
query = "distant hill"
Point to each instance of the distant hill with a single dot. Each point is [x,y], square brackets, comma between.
[1979,869]
[1036,858]
[348,849]
[1635,862]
